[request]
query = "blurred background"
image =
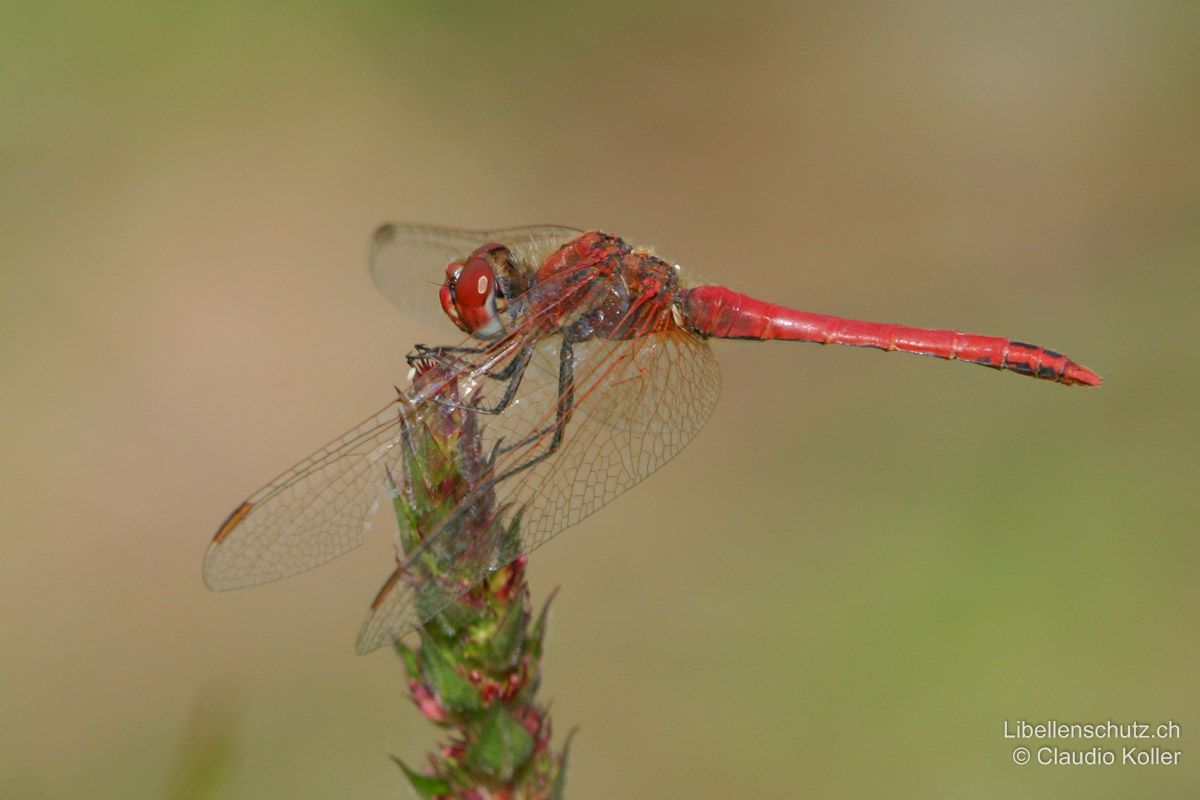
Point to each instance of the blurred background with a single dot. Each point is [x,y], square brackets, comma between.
[862,567]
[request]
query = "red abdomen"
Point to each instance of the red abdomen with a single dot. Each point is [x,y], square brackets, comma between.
[721,312]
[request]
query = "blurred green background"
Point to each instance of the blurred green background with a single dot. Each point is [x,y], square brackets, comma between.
[860,569]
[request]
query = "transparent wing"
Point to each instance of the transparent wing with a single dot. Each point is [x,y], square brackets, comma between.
[319,508]
[630,405]
[408,262]
[311,513]
[667,383]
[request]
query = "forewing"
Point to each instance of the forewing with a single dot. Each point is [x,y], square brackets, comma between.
[320,508]
[636,404]
[311,513]
[408,262]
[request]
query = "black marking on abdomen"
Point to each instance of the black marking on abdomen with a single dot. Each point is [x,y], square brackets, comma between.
[1019,366]
[988,361]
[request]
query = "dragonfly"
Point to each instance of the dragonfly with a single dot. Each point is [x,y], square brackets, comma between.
[588,367]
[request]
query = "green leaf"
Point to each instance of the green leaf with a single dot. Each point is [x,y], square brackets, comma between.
[503,648]
[453,690]
[451,622]
[538,634]
[411,665]
[510,540]
[425,785]
[560,780]
[407,521]
[503,745]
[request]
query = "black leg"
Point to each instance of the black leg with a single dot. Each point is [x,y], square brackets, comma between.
[512,372]
[450,549]
[562,413]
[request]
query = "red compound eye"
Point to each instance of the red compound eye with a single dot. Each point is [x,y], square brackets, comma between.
[475,284]
[447,298]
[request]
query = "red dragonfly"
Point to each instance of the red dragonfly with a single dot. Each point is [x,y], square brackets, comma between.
[588,363]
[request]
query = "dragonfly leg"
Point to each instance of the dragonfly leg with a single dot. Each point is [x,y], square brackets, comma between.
[446,356]
[424,350]
[512,372]
[566,404]
[440,353]
[433,555]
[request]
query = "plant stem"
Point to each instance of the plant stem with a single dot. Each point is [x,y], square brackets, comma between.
[477,666]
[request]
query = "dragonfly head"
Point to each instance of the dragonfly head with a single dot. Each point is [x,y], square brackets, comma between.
[477,290]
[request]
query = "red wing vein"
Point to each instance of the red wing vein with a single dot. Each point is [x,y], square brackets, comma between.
[667,382]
